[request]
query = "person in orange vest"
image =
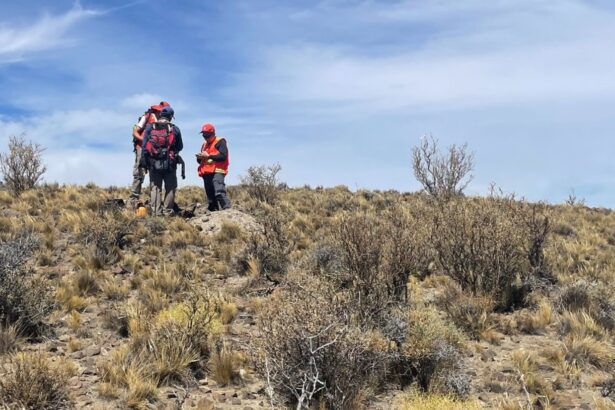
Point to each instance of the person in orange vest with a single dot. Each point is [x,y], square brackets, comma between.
[138,173]
[213,166]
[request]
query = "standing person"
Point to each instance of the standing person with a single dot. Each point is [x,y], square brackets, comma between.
[213,166]
[162,142]
[138,174]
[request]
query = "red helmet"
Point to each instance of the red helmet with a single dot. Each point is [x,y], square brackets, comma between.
[164,104]
[208,129]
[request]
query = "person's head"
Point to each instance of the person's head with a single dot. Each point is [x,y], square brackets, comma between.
[167,112]
[208,131]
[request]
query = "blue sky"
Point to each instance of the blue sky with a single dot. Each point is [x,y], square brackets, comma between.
[336,91]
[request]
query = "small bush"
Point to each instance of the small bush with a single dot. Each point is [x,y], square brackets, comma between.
[269,248]
[430,354]
[31,381]
[471,313]
[361,241]
[24,299]
[310,356]
[491,247]
[442,175]
[22,167]
[105,235]
[262,184]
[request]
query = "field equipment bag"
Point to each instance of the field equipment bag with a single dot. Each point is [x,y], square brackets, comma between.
[159,147]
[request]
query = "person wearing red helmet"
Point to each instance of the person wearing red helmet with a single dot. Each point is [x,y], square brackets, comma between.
[138,173]
[213,166]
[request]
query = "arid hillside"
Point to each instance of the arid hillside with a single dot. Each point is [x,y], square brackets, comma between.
[305,298]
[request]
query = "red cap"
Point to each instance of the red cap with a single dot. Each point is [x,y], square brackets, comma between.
[164,104]
[208,129]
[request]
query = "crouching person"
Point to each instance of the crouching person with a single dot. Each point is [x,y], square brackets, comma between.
[162,142]
[213,166]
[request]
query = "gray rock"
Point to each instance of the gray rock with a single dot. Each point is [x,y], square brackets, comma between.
[487,355]
[205,404]
[92,351]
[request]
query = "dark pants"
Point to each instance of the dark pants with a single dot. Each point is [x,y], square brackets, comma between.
[215,189]
[162,204]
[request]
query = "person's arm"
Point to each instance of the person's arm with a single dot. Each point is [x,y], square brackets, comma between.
[146,135]
[137,133]
[137,130]
[222,151]
[179,143]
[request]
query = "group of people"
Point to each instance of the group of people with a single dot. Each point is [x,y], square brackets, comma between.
[157,143]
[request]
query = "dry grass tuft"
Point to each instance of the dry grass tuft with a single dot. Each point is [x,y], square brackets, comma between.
[415,400]
[32,381]
[535,322]
[581,323]
[526,364]
[68,297]
[226,366]
[10,338]
[473,314]
[86,282]
[228,311]
[114,289]
[228,232]
[162,350]
[588,350]
[74,345]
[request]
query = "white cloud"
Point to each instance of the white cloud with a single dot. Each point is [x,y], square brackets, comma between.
[46,33]
[486,53]
[140,101]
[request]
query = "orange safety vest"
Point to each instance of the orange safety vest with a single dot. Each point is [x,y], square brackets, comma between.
[210,166]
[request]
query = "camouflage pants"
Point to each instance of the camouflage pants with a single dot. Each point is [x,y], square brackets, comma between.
[138,176]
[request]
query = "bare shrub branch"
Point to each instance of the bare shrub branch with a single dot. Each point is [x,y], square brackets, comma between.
[22,167]
[262,182]
[442,175]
